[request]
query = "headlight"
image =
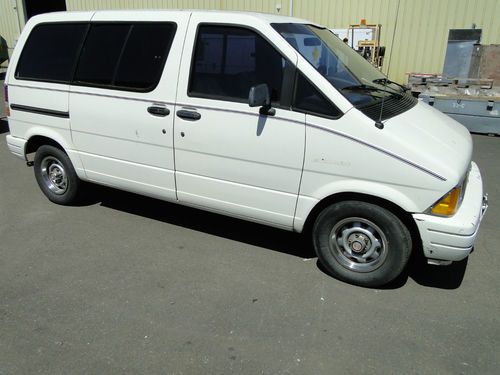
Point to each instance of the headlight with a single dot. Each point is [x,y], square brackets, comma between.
[448,205]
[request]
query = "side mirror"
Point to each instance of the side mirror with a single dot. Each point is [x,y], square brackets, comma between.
[259,97]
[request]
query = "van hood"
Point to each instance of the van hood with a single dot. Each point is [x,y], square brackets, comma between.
[433,140]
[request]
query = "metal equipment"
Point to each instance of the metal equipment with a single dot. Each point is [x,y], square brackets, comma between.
[369,49]
[475,103]
[459,91]
[462,53]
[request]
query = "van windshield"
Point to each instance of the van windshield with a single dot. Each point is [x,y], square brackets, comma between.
[359,81]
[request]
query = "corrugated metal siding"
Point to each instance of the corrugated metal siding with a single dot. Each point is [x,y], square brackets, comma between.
[422,31]
[9,27]
[421,28]
[420,38]
[249,5]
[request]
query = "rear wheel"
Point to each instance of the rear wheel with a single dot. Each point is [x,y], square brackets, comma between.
[56,176]
[361,243]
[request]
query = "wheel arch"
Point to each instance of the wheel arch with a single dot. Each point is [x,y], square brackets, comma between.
[35,139]
[405,216]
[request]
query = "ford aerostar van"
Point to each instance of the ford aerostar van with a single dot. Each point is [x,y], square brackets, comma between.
[264,118]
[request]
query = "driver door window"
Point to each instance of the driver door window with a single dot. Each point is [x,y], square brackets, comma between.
[229,60]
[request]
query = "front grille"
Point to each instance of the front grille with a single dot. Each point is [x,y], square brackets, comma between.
[393,106]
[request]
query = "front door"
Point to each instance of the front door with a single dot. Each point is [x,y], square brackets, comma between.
[228,157]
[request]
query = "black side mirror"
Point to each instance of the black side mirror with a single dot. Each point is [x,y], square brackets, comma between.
[259,97]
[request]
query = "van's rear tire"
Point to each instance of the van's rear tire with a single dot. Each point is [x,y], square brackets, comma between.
[361,243]
[56,176]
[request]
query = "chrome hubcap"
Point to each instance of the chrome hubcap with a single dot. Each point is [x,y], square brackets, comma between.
[358,244]
[54,176]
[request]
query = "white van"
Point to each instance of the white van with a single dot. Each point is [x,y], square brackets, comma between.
[264,118]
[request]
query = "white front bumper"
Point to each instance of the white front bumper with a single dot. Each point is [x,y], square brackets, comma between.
[452,238]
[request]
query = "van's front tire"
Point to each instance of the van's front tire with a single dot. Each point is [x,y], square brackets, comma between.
[56,176]
[361,243]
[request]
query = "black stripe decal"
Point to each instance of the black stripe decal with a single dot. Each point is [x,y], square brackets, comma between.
[39,111]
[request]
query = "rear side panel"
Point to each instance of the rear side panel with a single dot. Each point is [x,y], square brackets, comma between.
[40,108]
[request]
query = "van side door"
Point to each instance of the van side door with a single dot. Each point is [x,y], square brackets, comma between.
[229,158]
[121,100]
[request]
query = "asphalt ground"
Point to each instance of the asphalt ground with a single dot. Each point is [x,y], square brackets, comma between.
[125,284]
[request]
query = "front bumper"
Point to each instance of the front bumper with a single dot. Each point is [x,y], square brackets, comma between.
[16,146]
[452,238]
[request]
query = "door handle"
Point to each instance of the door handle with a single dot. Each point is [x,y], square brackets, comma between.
[188,115]
[158,111]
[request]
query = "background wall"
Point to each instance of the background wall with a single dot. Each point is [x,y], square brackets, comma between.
[420,27]
[10,22]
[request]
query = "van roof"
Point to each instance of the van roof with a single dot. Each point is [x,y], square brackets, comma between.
[143,13]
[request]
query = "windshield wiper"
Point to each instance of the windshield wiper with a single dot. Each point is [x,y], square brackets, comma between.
[363,87]
[387,81]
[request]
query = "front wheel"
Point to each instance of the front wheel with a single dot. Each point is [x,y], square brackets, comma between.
[361,243]
[56,176]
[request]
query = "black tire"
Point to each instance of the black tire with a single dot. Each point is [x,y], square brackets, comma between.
[361,243]
[56,176]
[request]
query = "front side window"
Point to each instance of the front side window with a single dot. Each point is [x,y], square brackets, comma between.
[228,61]
[51,51]
[310,100]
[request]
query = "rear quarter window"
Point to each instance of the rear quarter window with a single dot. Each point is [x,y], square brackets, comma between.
[51,51]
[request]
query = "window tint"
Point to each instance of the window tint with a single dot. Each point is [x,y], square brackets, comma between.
[100,54]
[50,52]
[308,99]
[230,60]
[125,56]
[144,55]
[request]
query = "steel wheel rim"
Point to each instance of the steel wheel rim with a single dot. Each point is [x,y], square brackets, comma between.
[358,244]
[54,175]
